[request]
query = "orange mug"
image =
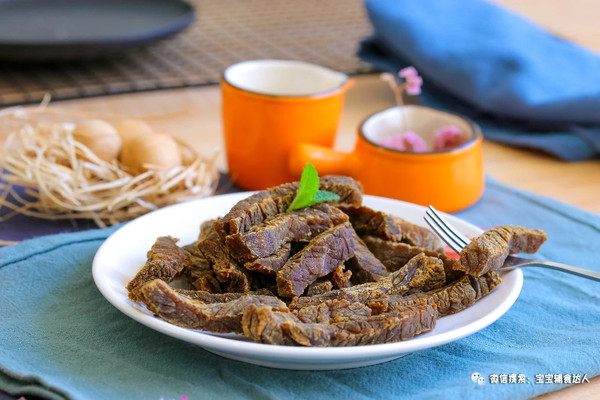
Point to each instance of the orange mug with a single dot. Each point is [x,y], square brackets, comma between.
[268,107]
[450,180]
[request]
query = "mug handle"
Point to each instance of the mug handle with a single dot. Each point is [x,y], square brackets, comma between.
[325,159]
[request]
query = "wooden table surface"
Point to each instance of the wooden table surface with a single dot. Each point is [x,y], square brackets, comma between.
[194,116]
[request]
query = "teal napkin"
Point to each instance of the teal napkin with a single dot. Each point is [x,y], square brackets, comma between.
[61,339]
[523,85]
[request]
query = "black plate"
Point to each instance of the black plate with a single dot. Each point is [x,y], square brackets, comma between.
[64,29]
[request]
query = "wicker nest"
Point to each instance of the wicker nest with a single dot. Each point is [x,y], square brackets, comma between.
[46,173]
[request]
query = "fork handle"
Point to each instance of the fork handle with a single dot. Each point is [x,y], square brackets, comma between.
[586,273]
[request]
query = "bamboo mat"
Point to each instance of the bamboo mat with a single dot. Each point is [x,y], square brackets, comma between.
[325,32]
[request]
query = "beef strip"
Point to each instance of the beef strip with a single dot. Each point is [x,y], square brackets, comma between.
[207,282]
[367,221]
[267,203]
[394,255]
[200,273]
[227,271]
[182,311]
[271,264]
[207,230]
[265,325]
[198,261]
[449,299]
[340,277]
[332,311]
[364,265]
[267,237]
[410,278]
[209,297]
[318,287]
[247,213]
[319,258]
[349,190]
[488,251]
[165,260]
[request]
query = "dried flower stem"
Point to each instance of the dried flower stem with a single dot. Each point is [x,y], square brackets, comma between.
[398,88]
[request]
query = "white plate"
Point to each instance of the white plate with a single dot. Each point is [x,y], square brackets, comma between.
[124,252]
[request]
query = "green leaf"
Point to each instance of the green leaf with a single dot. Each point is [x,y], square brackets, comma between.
[323,196]
[307,188]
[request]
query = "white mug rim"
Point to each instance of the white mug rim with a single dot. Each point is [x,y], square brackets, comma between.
[338,80]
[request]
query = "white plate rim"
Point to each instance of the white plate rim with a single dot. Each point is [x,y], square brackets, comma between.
[290,356]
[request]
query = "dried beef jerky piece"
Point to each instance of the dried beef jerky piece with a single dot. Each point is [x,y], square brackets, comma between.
[225,268]
[488,251]
[271,264]
[265,325]
[318,287]
[364,265]
[431,275]
[349,190]
[239,280]
[340,277]
[332,311]
[207,230]
[409,278]
[206,281]
[182,311]
[394,255]
[208,297]
[270,235]
[200,273]
[319,258]
[247,213]
[197,259]
[165,260]
[449,299]
[367,221]
[267,203]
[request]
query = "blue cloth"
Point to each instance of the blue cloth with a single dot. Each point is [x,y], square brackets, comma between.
[62,339]
[524,86]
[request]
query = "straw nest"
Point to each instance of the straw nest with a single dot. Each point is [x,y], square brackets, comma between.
[46,173]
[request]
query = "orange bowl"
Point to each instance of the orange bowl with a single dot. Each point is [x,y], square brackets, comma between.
[450,180]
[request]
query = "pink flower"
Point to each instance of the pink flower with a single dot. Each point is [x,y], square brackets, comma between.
[413,85]
[408,72]
[413,80]
[407,141]
[447,137]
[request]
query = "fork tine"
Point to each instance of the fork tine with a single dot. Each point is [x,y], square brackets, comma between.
[442,233]
[461,239]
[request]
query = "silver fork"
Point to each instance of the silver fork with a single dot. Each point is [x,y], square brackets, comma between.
[457,241]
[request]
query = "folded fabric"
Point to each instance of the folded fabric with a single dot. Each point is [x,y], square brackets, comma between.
[524,86]
[61,339]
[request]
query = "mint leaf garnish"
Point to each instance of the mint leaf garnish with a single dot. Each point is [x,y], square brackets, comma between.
[307,188]
[322,196]
[308,192]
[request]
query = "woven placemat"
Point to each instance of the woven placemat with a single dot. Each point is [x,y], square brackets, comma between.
[325,32]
